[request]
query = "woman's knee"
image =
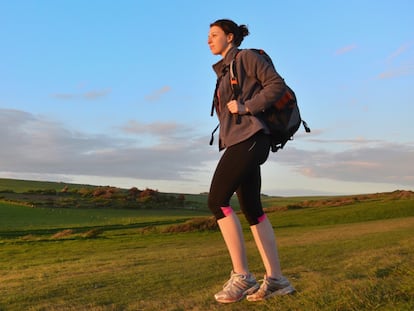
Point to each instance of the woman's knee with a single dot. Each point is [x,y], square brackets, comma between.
[216,208]
[255,219]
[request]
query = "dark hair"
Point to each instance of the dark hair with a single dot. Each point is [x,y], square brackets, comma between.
[228,26]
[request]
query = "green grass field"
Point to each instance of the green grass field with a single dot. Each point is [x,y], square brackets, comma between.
[356,256]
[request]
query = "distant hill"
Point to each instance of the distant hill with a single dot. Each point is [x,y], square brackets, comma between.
[18,185]
[68,195]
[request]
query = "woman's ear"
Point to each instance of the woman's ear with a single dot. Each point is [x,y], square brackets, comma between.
[230,38]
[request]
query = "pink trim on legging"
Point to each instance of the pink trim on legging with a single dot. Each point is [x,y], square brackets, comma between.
[227,210]
[261,218]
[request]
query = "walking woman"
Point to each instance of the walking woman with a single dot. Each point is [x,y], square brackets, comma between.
[246,146]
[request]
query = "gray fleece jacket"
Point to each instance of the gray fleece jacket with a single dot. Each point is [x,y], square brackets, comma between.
[260,86]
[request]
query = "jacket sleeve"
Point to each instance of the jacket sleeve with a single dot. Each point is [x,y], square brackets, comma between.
[261,85]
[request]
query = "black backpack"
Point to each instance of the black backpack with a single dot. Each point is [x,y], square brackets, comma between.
[282,118]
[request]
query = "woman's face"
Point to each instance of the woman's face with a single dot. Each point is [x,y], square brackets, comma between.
[218,41]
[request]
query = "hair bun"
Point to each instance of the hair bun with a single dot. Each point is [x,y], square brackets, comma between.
[243,30]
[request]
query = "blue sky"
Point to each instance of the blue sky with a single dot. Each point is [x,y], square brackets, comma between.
[119,92]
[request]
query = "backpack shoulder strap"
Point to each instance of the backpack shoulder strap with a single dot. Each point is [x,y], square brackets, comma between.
[234,82]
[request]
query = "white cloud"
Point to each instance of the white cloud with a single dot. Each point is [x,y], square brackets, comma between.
[403,70]
[345,49]
[89,95]
[36,146]
[379,162]
[156,95]
[402,49]
[158,128]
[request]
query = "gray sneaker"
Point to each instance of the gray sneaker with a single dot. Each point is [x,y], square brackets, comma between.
[272,287]
[236,288]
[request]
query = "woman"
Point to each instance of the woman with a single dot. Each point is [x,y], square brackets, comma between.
[246,145]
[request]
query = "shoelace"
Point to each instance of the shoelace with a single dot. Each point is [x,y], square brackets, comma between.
[234,281]
[265,284]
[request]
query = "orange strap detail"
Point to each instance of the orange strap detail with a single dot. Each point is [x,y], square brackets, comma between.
[281,103]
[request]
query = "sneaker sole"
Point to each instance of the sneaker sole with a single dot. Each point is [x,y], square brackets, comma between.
[281,292]
[248,292]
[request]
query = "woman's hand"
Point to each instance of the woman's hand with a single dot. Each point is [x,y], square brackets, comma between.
[236,108]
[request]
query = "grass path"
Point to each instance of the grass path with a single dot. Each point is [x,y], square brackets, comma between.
[358,266]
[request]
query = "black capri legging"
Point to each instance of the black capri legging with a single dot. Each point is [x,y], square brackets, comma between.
[239,171]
